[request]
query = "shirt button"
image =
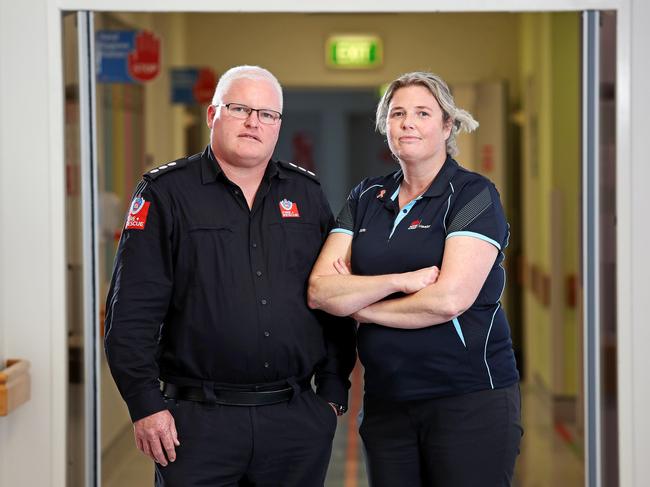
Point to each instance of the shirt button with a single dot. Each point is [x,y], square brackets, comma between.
[264,301]
[404,210]
[258,273]
[267,333]
[266,365]
[236,191]
[254,245]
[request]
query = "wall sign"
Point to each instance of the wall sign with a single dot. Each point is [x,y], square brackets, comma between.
[192,85]
[354,52]
[127,56]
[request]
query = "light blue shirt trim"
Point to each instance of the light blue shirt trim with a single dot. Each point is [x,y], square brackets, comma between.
[403,212]
[342,230]
[369,188]
[444,218]
[459,331]
[475,235]
[487,338]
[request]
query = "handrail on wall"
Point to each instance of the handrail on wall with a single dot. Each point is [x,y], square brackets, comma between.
[15,385]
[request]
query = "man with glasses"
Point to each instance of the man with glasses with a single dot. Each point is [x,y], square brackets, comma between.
[208,333]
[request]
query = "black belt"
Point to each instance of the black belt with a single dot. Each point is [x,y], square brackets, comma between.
[259,395]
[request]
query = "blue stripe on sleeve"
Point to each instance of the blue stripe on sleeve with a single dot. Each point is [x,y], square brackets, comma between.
[342,230]
[475,235]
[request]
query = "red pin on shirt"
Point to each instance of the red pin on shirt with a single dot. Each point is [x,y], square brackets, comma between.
[289,209]
[144,61]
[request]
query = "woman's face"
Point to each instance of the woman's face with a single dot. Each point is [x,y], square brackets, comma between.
[415,129]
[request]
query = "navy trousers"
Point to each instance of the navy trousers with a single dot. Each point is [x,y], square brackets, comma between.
[468,440]
[279,445]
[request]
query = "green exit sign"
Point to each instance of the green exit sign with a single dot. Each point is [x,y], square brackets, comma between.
[354,51]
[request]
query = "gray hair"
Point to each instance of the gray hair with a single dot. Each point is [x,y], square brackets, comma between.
[460,119]
[244,72]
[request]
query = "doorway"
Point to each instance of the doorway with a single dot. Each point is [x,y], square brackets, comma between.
[537,172]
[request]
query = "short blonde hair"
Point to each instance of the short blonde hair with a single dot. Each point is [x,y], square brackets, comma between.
[460,119]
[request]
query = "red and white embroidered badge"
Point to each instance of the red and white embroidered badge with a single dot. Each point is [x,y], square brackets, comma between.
[414,224]
[289,209]
[137,214]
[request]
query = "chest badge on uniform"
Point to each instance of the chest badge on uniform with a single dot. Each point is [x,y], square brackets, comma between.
[381,194]
[289,209]
[137,214]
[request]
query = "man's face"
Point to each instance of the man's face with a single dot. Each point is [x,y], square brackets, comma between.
[244,142]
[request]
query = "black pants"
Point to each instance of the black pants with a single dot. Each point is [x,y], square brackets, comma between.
[461,441]
[280,445]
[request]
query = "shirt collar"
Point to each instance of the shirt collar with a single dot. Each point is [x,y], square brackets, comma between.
[211,170]
[441,181]
[437,187]
[389,189]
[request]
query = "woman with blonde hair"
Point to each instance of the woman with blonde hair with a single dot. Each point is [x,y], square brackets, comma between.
[415,257]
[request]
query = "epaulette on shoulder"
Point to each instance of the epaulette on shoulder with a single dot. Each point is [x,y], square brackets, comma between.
[294,167]
[166,168]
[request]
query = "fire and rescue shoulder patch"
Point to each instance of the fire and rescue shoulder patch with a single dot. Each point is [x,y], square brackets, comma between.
[137,217]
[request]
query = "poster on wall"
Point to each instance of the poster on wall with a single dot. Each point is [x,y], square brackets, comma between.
[192,85]
[127,56]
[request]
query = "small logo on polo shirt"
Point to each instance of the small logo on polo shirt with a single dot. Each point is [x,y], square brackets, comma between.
[415,224]
[289,209]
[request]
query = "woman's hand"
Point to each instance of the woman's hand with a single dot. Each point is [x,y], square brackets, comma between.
[334,289]
[410,282]
[414,281]
[466,264]
[342,267]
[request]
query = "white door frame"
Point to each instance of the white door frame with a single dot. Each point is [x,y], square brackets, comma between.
[628,387]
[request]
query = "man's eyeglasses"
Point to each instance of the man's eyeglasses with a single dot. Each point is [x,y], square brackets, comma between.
[264,115]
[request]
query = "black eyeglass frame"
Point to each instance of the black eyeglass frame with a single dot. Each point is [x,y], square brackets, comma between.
[248,110]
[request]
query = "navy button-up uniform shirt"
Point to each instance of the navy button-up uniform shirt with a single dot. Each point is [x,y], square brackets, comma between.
[206,290]
[470,353]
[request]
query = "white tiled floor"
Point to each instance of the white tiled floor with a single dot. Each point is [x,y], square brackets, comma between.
[546,459]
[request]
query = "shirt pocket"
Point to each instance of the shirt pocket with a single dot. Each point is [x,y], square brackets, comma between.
[205,253]
[295,245]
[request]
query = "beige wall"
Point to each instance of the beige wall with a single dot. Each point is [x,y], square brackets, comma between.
[550,84]
[292,47]
[32,252]
[460,47]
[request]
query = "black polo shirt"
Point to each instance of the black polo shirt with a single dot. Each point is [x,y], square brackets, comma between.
[206,290]
[470,353]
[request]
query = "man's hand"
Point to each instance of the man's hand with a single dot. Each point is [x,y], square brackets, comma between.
[155,433]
